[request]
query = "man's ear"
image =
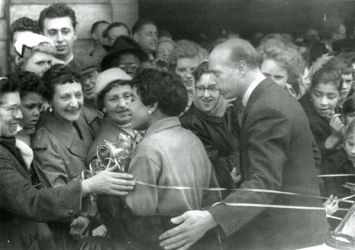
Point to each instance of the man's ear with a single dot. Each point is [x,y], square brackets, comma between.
[242,67]
[75,34]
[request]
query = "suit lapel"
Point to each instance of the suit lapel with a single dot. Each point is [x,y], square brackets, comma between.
[254,96]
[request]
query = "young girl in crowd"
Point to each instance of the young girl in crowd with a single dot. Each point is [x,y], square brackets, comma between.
[320,106]
[206,119]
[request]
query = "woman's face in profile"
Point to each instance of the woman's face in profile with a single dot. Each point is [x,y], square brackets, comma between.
[68,101]
[140,116]
[206,92]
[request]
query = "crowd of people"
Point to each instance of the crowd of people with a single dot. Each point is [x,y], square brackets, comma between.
[151,143]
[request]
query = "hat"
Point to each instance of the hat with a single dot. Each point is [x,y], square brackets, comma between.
[88,64]
[123,44]
[29,40]
[108,76]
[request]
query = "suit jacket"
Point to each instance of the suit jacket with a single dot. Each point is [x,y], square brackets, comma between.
[21,203]
[276,154]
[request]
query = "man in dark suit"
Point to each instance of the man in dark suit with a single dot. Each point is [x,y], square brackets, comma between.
[276,154]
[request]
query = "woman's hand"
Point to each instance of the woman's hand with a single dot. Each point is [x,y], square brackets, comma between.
[108,182]
[336,125]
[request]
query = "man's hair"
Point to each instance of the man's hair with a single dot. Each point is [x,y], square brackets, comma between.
[28,82]
[96,24]
[114,25]
[242,50]
[54,11]
[140,23]
[154,86]
[23,24]
[7,86]
[58,74]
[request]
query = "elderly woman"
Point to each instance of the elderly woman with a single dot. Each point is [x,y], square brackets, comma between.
[168,155]
[113,93]
[206,120]
[284,64]
[183,60]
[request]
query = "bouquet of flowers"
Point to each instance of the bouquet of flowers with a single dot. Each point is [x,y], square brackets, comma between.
[114,154]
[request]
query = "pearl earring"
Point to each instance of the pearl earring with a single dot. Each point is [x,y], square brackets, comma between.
[149,112]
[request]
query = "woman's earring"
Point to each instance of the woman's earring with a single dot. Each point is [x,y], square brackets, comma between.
[104,110]
[149,112]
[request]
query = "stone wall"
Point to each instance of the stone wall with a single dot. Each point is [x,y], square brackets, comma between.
[87,12]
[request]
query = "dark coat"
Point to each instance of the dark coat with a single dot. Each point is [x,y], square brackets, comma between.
[319,125]
[219,142]
[276,154]
[21,203]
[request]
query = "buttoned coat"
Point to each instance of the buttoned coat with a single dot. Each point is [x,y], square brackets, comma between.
[21,203]
[276,154]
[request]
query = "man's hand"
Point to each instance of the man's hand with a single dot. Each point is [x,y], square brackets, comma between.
[108,182]
[193,225]
[78,227]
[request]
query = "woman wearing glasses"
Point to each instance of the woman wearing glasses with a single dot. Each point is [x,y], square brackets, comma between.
[205,118]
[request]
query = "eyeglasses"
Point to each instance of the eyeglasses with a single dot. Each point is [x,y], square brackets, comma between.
[211,89]
[12,109]
[126,66]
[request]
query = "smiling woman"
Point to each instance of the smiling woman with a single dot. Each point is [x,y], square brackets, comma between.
[60,145]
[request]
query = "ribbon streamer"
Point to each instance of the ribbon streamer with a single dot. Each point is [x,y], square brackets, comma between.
[334,175]
[238,189]
[239,204]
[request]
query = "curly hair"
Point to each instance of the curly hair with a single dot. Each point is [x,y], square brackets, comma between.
[327,74]
[154,86]
[186,49]
[54,11]
[7,86]
[57,75]
[344,65]
[287,56]
[28,82]
[23,24]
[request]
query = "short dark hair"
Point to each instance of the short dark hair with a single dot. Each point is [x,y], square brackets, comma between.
[327,74]
[96,24]
[57,75]
[154,86]
[201,69]
[140,23]
[57,10]
[7,86]
[101,96]
[114,25]
[23,24]
[349,105]
[28,82]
